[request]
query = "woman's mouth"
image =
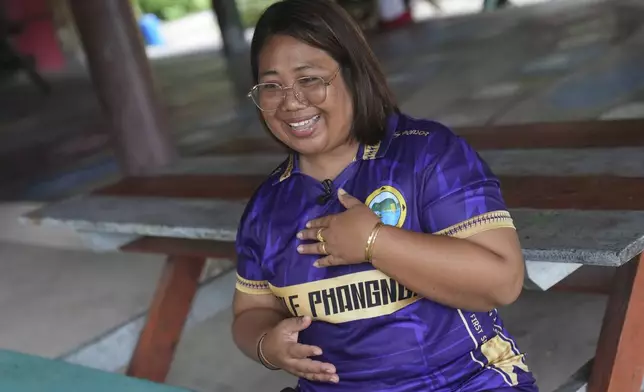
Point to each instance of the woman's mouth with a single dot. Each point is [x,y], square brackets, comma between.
[305,126]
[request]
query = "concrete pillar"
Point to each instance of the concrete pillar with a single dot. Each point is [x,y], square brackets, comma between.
[123,80]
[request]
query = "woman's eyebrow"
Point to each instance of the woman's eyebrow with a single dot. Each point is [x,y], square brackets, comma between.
[270,72]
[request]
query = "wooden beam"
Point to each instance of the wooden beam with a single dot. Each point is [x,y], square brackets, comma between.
[619,359]
[576,134]
[183,247]
[579,193]
[588,279]
[166,318]
[228,187]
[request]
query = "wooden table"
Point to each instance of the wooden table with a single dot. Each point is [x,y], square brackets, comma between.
[572,206]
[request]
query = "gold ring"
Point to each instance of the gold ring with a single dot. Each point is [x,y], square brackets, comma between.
[319,236]
[324,251]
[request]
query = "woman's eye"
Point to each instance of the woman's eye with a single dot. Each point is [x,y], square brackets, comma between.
[309,82]
[270,87]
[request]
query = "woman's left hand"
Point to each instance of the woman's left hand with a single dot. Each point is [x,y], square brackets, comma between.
[345,234]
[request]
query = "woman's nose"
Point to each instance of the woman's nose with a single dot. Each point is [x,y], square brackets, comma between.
[291,101]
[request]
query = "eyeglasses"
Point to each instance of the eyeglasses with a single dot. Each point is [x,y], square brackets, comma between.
[308,90]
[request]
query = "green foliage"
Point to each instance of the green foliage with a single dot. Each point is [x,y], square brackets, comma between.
[250,10]
[171,9]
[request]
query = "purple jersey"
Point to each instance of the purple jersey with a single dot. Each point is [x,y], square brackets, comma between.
[380,335]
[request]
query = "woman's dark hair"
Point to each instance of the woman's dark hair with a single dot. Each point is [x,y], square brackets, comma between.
[325,25]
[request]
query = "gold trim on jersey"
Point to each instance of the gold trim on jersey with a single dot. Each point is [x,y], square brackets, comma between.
[351,297]
[255,287]
[478,224]
[289,168]
[503,359]
[370,152]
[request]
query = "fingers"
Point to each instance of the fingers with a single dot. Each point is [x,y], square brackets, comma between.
[328,261]
[310,234]
[296,324]
[320,377]
[347,200]
[320,222]
[314,370]
[302,351]
[313,249]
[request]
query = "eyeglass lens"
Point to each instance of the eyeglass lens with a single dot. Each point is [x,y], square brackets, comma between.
[307,90]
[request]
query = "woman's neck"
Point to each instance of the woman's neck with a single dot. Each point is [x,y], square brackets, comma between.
[329,164]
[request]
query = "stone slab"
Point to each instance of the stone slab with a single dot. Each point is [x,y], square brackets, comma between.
[162,217]
[609,238]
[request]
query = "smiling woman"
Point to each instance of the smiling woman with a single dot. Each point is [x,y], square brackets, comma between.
[374,257]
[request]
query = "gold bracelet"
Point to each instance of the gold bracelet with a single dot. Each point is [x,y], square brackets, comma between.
[368,250]
[260,355]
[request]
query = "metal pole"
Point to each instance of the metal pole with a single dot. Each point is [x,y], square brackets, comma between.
[123,80]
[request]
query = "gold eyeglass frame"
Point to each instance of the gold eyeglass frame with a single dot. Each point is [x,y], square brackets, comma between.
[326,84]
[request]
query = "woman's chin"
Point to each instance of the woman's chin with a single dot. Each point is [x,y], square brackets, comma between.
[315,144]
[307,147]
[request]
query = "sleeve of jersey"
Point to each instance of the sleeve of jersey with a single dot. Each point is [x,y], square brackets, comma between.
[250,276]
[461,196]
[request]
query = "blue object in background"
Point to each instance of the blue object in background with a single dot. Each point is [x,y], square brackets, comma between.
[150,28]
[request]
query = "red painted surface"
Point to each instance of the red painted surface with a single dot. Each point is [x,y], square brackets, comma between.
[403,20]
[38,37]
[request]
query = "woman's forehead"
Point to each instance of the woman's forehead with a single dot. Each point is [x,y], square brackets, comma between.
[285,54]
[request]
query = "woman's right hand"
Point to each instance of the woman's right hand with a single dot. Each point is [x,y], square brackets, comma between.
[280,348]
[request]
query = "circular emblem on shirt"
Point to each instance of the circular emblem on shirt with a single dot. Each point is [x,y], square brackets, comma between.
[389,204]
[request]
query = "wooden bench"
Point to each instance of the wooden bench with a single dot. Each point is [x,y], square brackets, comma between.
[582,212]
[27,373]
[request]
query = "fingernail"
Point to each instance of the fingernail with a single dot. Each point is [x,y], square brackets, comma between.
[316,264]
[308,225]
[334,379]
[300,235]
[342,192]
[317,352]
[300,248]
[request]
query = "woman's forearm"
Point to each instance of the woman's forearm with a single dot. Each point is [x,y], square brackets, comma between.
[250,325]
[454,272]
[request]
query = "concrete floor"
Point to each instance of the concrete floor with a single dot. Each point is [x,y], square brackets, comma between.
[565,60]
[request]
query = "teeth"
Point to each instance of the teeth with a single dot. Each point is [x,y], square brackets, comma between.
[305,123]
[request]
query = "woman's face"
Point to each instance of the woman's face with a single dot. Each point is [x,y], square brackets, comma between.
[307,128]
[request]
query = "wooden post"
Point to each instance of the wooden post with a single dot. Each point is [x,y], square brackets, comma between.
[167,316]
[123,80]
[230,24]
[619,359]
[236,50]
